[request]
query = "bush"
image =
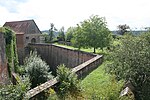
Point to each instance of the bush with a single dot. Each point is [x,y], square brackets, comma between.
[37,70]
[69,86]
[131,61]
[15,92]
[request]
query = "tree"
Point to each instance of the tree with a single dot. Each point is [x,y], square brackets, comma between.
[51,32]
[93,33]
[69,34]
[78,38]
[61,34]
[131,62]
[123,29]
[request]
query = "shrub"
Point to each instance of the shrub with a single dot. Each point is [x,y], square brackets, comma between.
[69,86]
[36,69]
[38,72]
[15,92]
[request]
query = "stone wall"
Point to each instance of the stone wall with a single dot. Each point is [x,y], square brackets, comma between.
[82,63]
[3,62]
[22,42]
[81,70]
[56,55]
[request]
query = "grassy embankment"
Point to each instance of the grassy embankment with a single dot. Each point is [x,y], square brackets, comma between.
[99,85]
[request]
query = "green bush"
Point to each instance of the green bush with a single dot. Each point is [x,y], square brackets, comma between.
[131,62]
[69,86]
[15,92]
[36,69]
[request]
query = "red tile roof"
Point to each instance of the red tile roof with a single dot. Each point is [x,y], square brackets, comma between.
[20,27]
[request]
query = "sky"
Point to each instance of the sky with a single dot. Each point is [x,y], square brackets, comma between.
[69,13]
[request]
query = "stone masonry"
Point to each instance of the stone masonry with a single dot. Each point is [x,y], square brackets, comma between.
[56,55]
[3,62]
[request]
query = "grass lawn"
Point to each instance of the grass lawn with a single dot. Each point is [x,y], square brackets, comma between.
[90,50]
[102,86]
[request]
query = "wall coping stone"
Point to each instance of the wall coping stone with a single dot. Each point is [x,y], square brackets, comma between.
[50,44]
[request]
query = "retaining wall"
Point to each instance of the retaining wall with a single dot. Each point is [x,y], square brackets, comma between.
[56,55]
[81,70]
[3,62]
[82,63]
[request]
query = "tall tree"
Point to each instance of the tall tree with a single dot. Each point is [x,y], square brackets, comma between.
[123,29]
[78,38]
[51,31]
[93,33]
[61,34]
[69,34]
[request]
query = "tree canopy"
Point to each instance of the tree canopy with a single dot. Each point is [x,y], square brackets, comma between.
[69,34]
[61,34]
[51,32]
[92,33]
[123,29]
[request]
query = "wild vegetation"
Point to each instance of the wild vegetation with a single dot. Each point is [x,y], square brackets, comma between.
[69,86]
[36,68]
[99,85]
[38,72]
[17,91]
[11,50]
[130,61]
[11,91]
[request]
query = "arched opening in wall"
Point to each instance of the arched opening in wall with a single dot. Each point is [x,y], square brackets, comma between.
[33,40]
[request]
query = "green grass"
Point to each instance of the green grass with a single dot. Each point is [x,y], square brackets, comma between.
[102,86]
[90,50]
[65,46]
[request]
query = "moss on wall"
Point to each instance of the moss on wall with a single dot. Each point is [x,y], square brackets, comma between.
[11,49]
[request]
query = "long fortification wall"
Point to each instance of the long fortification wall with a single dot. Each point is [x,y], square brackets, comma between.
[56,55]
[82,63]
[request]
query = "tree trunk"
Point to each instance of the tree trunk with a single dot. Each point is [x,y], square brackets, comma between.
[94,50]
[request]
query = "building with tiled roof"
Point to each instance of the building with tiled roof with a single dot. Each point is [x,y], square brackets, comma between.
[26,32]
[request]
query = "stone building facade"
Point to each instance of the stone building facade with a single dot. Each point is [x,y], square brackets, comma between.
[26,32]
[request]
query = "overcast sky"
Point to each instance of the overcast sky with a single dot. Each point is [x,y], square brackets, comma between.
[135,13]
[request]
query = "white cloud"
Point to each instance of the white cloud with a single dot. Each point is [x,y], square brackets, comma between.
[70,12]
